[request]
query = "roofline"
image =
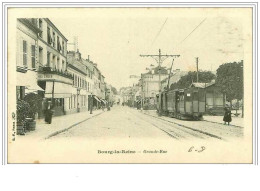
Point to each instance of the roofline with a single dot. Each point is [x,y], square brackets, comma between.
[77,69]
[51,23]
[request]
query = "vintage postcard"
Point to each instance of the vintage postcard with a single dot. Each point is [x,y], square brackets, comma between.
[130,85]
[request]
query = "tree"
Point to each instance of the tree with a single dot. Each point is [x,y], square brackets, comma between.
[114,90]
[186,80]
[230,80]
[35,103]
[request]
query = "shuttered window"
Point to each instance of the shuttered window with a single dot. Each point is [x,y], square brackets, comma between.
[33,55]
[24,53]
[48,59]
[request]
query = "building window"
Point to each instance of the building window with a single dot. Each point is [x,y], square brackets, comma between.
[53,62]
[54,45]
[63,65]
[25,53]
[74,101]
[49,35]
[33,56]
[40,27]
[62,47]
[71,101]
[58,44]
[48,58]
[40,56]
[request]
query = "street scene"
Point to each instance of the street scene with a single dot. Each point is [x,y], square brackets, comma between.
[161,78]
[129,123]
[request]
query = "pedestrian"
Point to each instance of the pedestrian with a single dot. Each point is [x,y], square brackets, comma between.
[48,113]
[45,109]
[227,116]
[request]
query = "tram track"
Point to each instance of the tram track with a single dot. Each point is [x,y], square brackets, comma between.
[180,128]
[214,128]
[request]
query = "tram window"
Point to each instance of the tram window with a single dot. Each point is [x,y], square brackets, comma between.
[195,96]
[188,96]
[202,95]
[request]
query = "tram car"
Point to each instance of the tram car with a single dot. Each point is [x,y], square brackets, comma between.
[187,103]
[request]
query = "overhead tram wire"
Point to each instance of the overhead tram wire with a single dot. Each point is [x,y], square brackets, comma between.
[159,31]
[192,31]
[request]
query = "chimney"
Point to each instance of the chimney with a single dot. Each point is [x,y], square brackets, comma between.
[88,57]
[78,55]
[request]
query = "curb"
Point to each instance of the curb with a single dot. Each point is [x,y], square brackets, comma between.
[222,123]
[66,129]
[211,122]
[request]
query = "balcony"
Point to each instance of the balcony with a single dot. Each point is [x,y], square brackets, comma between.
[50,74]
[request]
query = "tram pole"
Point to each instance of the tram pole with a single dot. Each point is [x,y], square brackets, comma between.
[197,63]
[159,59]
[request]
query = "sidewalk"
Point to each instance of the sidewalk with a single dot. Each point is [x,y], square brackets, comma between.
[236,121]
[59,123]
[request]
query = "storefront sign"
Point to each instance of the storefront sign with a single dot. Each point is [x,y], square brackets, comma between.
[44,76]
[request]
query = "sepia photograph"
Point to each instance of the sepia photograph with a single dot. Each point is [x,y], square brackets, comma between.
[130,85]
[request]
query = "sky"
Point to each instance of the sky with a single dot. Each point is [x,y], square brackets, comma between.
[115,38]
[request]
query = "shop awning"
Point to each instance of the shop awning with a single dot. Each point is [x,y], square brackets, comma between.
[104,101]
[59,90]
[97,98]
[34,87]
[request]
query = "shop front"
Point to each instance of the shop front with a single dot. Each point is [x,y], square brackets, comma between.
[57,90]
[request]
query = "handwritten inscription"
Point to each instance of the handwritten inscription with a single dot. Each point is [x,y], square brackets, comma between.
[199,150]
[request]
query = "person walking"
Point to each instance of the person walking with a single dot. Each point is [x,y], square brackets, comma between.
[227,116]
[45,109]
[49,113]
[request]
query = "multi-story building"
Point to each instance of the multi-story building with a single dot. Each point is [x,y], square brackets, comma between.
[81,86]
[26,56]
[150,82]
[42,66]
[97,86]
[90,81]
[109,94]
[53,76]
[103,87]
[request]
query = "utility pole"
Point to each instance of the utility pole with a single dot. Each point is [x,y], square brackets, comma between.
[197,63]
[159,59]
[168,85]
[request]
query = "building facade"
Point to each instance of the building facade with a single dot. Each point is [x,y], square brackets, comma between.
[80,87]
[53,76]
[150,86]
[44,66]
[27,63]
[215,99]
